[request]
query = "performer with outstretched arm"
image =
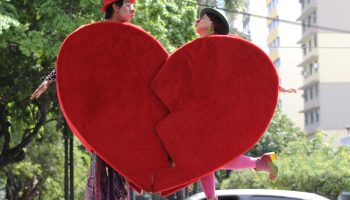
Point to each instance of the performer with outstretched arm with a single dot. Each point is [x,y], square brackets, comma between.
[103,181]
[213,22]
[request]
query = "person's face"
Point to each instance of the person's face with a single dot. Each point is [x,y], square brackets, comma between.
[126,12]
[203,25]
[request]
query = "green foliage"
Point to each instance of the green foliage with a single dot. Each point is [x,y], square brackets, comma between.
[280,132]
[310,166]
[42,169]
[171,22]
[233,4]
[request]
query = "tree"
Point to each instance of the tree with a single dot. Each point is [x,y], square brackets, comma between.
[171,22]
[280,132]
[40,174]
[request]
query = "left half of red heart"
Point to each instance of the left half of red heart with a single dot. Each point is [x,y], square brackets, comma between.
[104,72]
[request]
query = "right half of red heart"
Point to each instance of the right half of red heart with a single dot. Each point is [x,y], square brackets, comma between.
[221,92]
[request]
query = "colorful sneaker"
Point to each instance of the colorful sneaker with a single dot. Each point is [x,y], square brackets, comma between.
[265,163]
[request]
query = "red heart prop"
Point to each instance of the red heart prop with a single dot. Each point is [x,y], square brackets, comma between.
[222,103]
[104,72]
[221,92]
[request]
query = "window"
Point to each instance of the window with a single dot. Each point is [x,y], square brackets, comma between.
[305,95]
[274,44]
[311,117]
[316,90]
[270,48]
[302,4]
[315,41]
[310,46]
[271,5]
[317,115]
[310,69]
[315,66]
[304,72]
[306,120]
[309,21]
[314,16]
[274,23]
[311,90]
[277,63]
[303,46]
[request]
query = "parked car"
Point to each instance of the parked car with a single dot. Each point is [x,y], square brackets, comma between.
[260,194]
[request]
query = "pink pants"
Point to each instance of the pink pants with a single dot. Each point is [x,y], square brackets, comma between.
[241,162]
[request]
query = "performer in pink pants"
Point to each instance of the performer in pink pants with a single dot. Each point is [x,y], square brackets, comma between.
[213,22]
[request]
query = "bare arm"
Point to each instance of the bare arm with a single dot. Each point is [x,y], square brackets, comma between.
[284,90]
[44,85]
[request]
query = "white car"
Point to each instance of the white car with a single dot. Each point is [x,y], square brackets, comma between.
[259,194]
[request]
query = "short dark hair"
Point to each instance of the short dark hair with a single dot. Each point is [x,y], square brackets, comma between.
[219,27]
[109,9]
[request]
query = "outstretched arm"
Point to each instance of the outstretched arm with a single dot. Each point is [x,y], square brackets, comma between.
[44,85]
[284,90]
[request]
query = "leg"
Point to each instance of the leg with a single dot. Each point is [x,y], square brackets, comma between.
[118,186]
[208,186]
[241,162]
[263,163]
[97,179]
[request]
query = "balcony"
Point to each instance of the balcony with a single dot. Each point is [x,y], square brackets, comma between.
[309,8]
[311,127]
[309,57]
[311,104]
[307,34]
[310,80]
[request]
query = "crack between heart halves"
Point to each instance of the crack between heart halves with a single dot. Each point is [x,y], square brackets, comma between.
[171,165]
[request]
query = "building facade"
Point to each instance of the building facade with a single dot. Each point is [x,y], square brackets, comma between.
[326,67]
[285,54]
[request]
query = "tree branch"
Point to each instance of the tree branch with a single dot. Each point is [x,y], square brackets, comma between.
[16,154]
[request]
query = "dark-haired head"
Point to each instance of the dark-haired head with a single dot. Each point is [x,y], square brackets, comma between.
[109,9]
[120,11]
[212,22]
[218,25]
